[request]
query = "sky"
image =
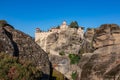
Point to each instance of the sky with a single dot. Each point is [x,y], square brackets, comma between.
[27,15]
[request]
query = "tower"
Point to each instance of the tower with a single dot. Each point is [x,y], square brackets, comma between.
[64,25]
[37,33]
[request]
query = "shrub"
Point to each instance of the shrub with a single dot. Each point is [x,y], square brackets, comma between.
[57,75]
[62,53]
[2,23]
[74,59]
[13,69]
[74,75]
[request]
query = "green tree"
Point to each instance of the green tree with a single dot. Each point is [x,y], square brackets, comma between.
[74,24]
[58,27]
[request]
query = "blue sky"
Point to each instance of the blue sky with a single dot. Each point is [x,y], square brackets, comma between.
[26,15]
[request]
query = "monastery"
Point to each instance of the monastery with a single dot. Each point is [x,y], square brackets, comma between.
[39,34]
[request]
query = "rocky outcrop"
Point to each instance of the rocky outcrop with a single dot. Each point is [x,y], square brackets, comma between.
[62,64]
[17,43]
[104,62]
[99,51]
[108,34]
[87,42]
[67,40]
[100,65]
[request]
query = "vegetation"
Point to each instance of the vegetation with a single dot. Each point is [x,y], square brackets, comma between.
[2,23]
[74,75]
[58,27]
[89,29]
[11,68]
[74,59]
[74,24]
[82,28]
[62,53]
[57,75]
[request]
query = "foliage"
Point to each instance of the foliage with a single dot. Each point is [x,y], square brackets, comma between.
[2,23]
[11,68]
[74,24]
[58,27]
[89,29]
[74,59]
[57,75]
[62,53]
[82,28]
[74,75]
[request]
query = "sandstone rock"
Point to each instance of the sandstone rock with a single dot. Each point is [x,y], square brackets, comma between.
[100,58]
[100,66]
[106,35]
[67,40]
[62,64]
[104,62]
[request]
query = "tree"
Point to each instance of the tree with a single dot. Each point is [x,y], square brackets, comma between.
[74,24]
[58,27]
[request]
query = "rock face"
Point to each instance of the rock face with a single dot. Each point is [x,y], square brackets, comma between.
[100,67]
[18,44]
[108,34]
[66,41]
[100,50]
[104,62]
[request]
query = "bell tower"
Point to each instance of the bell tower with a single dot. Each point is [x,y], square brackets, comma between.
[64,25]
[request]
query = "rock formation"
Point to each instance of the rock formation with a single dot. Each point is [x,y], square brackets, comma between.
[64,40]
[19,44]
[99,51]
[104,62]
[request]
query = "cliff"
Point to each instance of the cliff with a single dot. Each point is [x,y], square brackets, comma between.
[98,51]
[66,41]
[104,62]
[21,45]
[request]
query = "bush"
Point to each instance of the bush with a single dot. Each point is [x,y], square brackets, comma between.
[57,75]
[13,69]
[2,23]
[74,75]
[74,59]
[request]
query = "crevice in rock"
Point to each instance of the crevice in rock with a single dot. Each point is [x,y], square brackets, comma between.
[16,50]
